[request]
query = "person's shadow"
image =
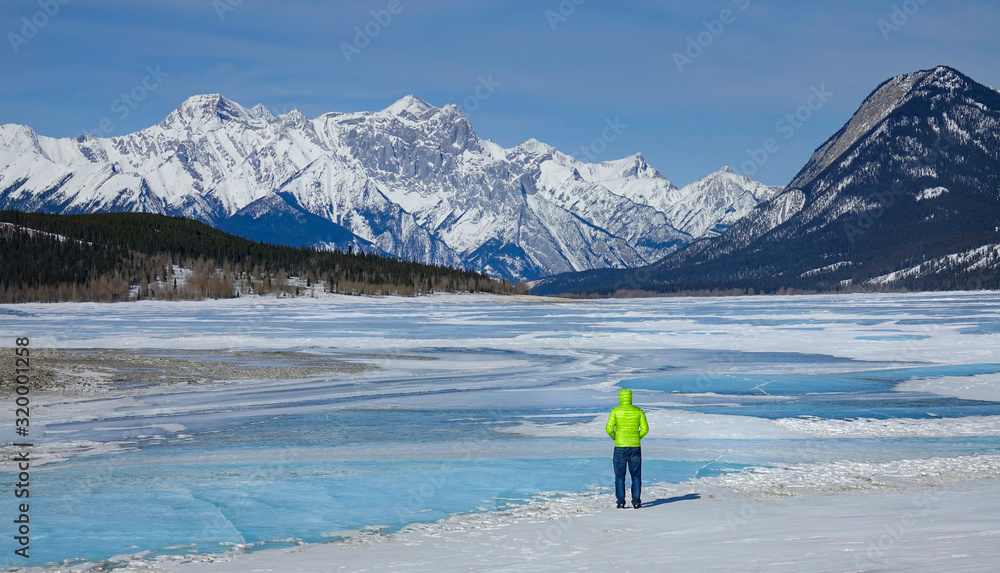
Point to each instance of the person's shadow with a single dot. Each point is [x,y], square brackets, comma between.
[656,502]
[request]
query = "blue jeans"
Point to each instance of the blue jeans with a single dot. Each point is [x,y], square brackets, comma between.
[631,457]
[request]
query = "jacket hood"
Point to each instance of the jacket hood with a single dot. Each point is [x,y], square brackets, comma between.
[625,397]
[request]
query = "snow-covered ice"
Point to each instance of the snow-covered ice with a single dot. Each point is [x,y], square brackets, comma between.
[473,436]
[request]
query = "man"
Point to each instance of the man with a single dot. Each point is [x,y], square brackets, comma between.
[627,425]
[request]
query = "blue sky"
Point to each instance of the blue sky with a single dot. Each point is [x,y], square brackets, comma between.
[556,70]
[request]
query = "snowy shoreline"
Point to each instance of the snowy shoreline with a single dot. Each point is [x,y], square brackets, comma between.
[917,515]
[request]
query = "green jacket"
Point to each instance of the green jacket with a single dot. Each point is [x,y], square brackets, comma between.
[627,423]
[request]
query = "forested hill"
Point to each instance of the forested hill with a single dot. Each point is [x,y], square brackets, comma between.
[130,256]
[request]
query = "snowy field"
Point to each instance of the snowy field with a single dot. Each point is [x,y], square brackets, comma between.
[465,432]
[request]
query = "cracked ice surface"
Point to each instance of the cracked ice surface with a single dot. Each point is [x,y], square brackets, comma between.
[471,413]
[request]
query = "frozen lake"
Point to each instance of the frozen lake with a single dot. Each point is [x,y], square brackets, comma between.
[478,402]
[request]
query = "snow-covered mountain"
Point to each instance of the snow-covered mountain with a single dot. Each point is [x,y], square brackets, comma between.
[711,205]
[907,193]
[412,180]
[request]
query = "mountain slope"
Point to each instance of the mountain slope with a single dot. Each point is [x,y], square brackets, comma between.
[906,194]
[413,181]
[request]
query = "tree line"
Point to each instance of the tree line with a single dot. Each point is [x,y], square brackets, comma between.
[108,257]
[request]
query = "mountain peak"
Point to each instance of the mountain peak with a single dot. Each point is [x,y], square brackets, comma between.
[217,104]
[294,114]
[887,98]
[945,78]
[632,166]
[942,69]
[16,137]
[261,112]
[411,105]
[210,109]
[727,177]
[534,146]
